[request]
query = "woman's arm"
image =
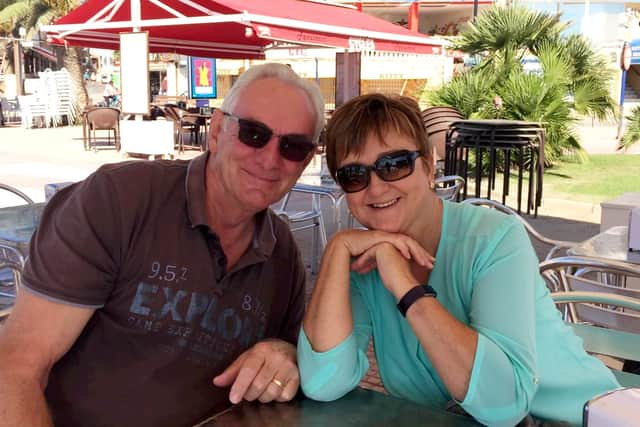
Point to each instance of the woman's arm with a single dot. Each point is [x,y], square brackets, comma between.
[328,320]
[448,343]
[337,326]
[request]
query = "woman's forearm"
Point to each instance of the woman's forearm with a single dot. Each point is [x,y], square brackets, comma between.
[328,320]
[449,344]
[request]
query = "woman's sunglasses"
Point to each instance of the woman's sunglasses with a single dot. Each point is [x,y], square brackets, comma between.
[389,167]
[293,147]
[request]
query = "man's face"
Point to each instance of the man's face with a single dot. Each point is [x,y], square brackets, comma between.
[255,178]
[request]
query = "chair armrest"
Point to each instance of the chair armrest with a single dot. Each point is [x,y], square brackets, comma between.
[595,298]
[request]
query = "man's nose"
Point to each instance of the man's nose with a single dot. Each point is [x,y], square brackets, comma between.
[269,155]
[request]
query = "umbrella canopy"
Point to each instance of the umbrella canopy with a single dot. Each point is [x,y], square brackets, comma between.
[234,28]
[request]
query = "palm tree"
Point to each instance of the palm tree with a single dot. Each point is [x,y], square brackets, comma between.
[31,14]
[632,133]
[573,80]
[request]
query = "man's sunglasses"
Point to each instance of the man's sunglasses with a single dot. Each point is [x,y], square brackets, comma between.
[293,147]
[389,167]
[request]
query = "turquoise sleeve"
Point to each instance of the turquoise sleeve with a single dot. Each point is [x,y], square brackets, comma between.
[503,378]
[331,374]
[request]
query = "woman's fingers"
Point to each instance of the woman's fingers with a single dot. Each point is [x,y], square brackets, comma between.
[363,265]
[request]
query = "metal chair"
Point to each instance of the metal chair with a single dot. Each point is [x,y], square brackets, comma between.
[11,262]
[582,274]
[305,219]
[556,245]
[448,187]
[619,344]
[17,192]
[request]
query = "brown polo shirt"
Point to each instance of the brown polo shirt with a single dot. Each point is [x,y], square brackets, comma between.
[132,242]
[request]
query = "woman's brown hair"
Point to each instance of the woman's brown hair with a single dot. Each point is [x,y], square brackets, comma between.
[376,114]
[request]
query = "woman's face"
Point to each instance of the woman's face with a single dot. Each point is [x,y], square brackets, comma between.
[389,206]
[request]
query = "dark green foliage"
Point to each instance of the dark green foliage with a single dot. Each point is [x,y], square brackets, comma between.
[574,80]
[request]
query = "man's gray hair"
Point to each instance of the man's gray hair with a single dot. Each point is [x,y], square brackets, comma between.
[285,74]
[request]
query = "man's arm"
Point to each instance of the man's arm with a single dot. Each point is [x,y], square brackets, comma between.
[35,336]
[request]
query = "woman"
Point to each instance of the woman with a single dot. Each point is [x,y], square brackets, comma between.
[475,324]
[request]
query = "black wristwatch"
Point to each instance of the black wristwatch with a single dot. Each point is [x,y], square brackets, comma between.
[413,295]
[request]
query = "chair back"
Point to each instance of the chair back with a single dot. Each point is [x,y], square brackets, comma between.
[103,118]
[448,187]
[612,342]
[556,245]
[599,277]
[436,122]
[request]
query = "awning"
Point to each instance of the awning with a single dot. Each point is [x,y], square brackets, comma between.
[50,55]
[234,28]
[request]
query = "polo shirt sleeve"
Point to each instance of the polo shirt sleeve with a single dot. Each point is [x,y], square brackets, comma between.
[331,374]
[74,255]
[503,378]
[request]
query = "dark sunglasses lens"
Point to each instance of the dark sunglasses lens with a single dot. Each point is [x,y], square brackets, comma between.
[395,166]
[353,178]
[253,134]
[295,148]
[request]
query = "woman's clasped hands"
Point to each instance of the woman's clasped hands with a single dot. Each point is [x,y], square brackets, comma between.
[395,255]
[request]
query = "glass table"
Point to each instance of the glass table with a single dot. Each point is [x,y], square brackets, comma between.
[611,244]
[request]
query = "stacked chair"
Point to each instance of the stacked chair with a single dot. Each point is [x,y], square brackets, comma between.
[436,122]
[509,142]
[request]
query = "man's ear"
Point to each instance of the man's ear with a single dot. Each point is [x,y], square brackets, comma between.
[215,127]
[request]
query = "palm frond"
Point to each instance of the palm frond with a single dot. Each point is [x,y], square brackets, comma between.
[632,133]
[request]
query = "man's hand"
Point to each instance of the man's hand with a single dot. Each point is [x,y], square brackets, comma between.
[267,372]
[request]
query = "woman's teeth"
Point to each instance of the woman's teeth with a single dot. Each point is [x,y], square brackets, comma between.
[384,205]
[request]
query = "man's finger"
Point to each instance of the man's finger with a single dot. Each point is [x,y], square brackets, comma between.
[250,377]
[273,391]
[229,375]
[289,390]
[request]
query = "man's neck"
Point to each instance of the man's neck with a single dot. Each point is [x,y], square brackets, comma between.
[235,227]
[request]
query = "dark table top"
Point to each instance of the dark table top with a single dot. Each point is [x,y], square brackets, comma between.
[358,408]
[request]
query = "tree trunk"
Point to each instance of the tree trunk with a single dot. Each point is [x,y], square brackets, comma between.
[74,67]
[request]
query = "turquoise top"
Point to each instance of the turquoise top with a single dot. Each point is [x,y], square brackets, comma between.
[486,275]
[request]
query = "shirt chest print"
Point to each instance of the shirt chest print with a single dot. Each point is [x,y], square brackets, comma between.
[208,325]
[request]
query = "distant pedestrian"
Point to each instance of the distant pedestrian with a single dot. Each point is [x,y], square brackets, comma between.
[110,94]
[164,85]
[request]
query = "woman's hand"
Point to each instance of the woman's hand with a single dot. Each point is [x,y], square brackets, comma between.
[393,265]
[357,242]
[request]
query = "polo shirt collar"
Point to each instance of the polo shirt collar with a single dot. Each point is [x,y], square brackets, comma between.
[264,237]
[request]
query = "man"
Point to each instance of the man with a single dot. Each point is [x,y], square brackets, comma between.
[110,93]
[152,287]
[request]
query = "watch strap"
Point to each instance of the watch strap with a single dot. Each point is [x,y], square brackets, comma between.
[413,295]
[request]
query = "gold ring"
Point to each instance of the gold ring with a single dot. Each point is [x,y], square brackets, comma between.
[277,382]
